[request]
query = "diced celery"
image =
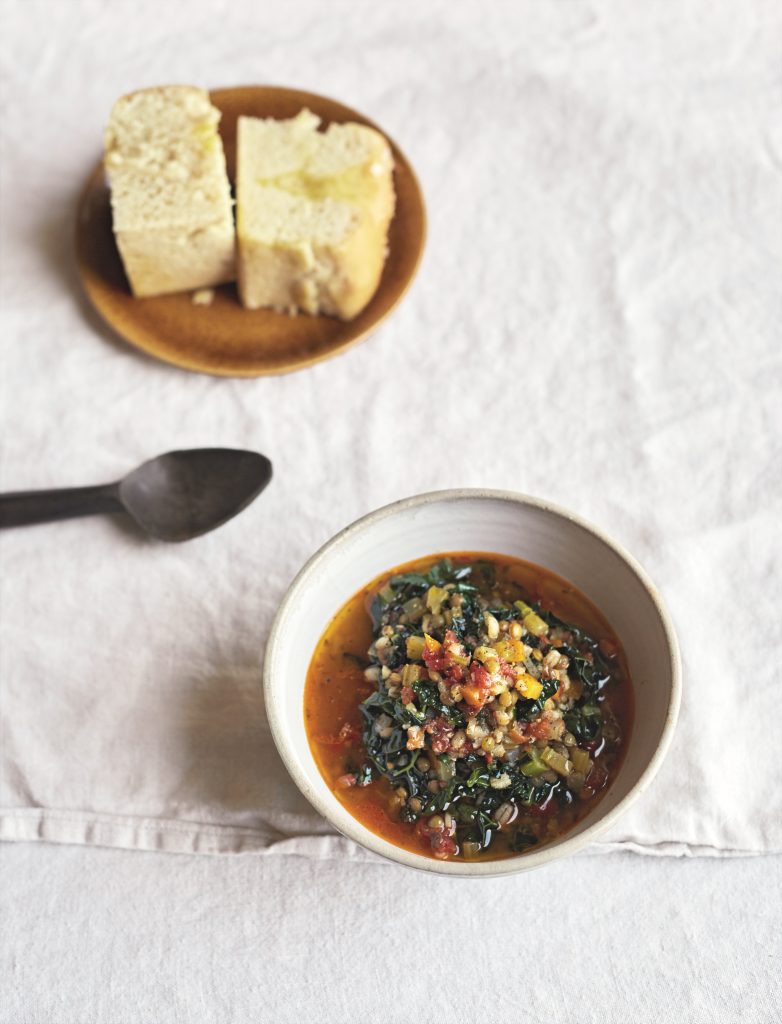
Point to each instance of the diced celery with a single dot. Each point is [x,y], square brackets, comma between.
[534,624]
[557,762]
[414,609]
[581,760]
[435,596]
[534,766]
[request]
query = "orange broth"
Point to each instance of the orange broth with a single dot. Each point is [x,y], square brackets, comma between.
[336,685]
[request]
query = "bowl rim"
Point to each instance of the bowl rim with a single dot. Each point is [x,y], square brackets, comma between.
[349,826]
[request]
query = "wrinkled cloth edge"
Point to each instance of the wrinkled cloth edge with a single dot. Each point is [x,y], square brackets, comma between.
[181,837]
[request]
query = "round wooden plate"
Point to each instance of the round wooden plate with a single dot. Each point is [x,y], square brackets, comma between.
[224,338]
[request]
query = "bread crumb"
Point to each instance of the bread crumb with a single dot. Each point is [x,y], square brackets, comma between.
[203,297]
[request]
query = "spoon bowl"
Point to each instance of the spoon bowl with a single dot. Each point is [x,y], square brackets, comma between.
[183,494]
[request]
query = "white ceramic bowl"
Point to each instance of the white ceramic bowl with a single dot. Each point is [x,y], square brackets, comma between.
[476,520]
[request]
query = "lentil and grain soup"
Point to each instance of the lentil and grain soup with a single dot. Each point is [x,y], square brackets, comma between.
[468,706]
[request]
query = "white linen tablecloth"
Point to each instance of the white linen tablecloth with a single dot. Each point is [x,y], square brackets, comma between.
[597,321]
[111,937]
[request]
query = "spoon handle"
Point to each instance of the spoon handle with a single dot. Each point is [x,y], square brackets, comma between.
[24,507]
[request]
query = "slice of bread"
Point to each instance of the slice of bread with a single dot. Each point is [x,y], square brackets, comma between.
[170,197]
[312,215]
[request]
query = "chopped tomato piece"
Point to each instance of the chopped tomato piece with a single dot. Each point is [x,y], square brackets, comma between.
[349,733]
[539,729]
[440,835]
[455,674]
[479,676]
[443,846]
[507,670]
[441,732]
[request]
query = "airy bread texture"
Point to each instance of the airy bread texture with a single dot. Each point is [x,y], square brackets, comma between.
[170,196]
[312,216]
